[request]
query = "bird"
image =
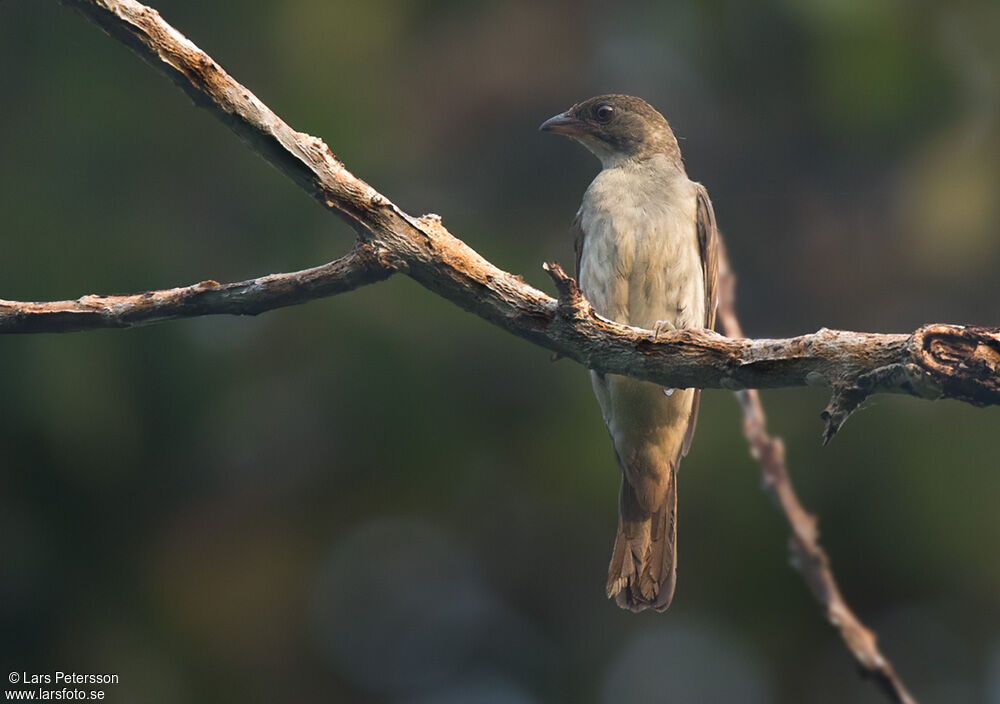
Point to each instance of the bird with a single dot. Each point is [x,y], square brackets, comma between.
[646,246]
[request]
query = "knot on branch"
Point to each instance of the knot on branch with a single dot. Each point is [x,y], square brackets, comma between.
[843,402]
[847,396]
[964,361]
[571,300]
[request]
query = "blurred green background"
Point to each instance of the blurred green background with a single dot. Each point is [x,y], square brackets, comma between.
[380,498]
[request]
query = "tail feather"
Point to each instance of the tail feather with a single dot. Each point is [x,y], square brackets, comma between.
[643,569]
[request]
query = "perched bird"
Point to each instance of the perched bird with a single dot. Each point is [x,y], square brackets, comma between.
[646,255]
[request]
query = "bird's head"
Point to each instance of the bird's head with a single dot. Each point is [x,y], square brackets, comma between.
[616,128]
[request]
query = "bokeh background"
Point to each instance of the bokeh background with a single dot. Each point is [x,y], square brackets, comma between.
[380,498]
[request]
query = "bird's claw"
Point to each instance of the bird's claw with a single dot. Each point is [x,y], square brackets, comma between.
[661,326]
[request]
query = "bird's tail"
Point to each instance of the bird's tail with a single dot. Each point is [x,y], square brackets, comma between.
[643,571]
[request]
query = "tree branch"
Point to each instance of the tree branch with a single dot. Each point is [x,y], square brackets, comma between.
[935,362]
[361,266]
[807,556]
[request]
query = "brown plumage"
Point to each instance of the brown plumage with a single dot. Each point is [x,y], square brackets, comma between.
[646,245]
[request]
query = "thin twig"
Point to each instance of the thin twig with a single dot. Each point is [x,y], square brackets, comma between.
[807,556]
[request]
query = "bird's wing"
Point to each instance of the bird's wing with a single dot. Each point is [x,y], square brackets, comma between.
[708,246]
[577,231]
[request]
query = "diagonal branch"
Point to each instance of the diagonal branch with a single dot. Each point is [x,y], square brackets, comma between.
[935,362]
[807,555]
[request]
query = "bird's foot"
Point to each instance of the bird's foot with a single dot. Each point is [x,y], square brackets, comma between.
[661,326]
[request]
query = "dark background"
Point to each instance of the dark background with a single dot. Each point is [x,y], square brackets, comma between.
[381,498]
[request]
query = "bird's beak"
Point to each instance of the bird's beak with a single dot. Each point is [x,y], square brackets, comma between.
[563,123]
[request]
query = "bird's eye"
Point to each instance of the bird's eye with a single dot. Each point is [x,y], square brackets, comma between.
[604,113]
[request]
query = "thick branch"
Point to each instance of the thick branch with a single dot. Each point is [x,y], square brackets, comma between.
[961,363]
[251,297]
[807,555]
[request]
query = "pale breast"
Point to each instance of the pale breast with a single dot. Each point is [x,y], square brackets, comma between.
[640,261]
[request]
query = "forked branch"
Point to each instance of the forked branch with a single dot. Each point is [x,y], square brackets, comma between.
[934,362]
